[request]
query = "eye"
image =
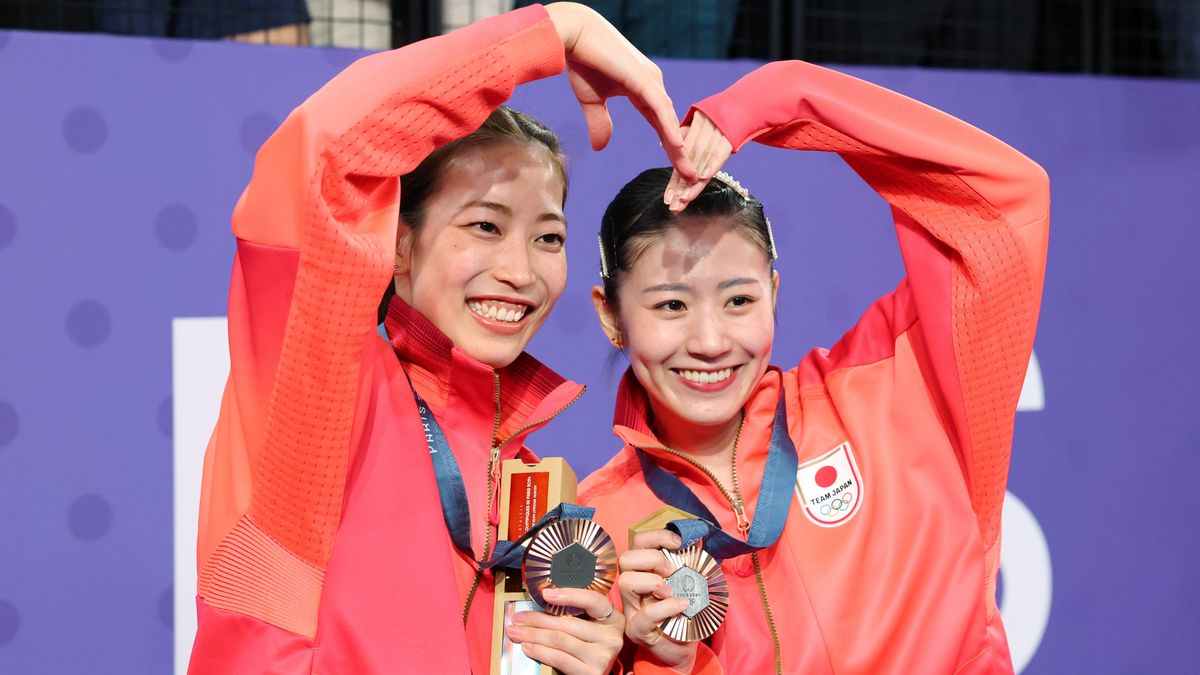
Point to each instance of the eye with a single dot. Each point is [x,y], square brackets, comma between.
[486,227]
[671,306]
[740,300]
[552,239]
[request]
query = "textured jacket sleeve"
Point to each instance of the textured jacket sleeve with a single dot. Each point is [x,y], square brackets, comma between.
[316,231]
[971,215]
[706,664]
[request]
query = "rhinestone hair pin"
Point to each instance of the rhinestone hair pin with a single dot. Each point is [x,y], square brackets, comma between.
[603,257]
[733,184]
[737,187]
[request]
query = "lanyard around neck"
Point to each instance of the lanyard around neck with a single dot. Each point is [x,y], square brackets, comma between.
[456,510]
[770,510]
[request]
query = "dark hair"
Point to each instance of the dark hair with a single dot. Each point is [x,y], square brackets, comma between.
[504,125]
[637,216]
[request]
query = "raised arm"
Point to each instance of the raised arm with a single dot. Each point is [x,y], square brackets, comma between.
[316,231]
[971,214]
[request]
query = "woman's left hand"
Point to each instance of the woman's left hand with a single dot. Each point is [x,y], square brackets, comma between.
[571,644]
[707,149]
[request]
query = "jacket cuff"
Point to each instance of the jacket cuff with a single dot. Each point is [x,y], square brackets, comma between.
[536,51]
[706,664]
[730,116]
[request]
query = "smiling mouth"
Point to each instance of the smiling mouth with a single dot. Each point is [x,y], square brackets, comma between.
[705,376]
[499,310]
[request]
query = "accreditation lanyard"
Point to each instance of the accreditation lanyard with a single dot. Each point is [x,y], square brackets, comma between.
[770,510]
[456,510]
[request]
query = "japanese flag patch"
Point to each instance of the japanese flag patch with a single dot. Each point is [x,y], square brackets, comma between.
[830,487]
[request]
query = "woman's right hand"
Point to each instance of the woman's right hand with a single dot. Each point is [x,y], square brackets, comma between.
[601,64]
[647,600]
[707,148]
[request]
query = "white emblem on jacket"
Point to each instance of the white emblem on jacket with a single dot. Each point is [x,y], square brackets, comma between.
[830,487]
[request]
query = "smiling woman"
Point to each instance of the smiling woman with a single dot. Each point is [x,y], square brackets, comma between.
[491,202]
[325,544]
[670,283]
[860,489]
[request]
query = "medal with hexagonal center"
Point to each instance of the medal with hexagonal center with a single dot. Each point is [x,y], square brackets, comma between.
[688,583]
[573,567]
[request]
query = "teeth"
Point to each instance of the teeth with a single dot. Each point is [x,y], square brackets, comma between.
[496,312]
[705,376]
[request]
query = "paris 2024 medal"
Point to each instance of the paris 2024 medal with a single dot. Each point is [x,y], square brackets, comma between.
[696,576]
[569,553]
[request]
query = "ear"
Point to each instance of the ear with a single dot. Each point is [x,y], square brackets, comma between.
[608,317]
[402,267]
[774,289]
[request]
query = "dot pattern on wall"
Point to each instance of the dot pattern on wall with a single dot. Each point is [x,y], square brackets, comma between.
[8,227]
[121,225]
[126,157]
[10,622]
[9,423]
[88,323]
[85,129]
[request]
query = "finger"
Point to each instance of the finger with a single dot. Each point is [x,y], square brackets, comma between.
[592,644]
[702,151]
[656,107]
[561,661]
[642,627]
[714,163]
[644,583]
[644,560]
[599,124]
[714,158]
[581,629]
[656,539]
[658,611]
[594,604]
[672,186]
[697,147]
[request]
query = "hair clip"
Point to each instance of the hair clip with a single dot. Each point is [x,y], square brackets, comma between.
[733,184]
[774,252]
[603,257]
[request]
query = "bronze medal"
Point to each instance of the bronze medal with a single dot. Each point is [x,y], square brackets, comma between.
[570,553]
[696,576]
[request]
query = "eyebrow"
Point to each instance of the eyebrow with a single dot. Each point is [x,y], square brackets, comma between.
[728,283]
[740,281]
[666,287]
[504,210]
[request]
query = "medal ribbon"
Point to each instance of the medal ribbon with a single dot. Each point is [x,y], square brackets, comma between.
[770,511]
[456,510]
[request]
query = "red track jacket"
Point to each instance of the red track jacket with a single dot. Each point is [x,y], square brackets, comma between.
[889,557]
[322,547]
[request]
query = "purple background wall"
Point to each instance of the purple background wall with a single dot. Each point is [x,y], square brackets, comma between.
[120,160]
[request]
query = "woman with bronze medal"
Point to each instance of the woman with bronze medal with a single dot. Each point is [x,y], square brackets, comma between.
[841,516]
[349,510]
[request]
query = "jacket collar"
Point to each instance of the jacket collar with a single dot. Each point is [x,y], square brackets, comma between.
[633,423]
[461,391]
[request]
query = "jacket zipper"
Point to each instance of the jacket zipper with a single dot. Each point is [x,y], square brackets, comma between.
[493,481]
[743,525]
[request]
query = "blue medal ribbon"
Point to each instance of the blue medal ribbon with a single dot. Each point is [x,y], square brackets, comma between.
[770,511]
[456,510]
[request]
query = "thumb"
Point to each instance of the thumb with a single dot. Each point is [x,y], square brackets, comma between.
[599,124]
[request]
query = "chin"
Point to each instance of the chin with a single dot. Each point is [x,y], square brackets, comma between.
[708,418]
[493,356]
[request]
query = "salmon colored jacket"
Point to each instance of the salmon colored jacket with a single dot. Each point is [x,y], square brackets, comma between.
[322,546]
[888,560]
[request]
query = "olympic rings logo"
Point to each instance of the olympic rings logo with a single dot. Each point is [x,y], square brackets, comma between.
[839,505]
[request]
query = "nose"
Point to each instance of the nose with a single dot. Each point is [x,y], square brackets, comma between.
[707,337]
[514,266]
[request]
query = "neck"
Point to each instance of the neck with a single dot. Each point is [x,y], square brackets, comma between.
[704,442]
